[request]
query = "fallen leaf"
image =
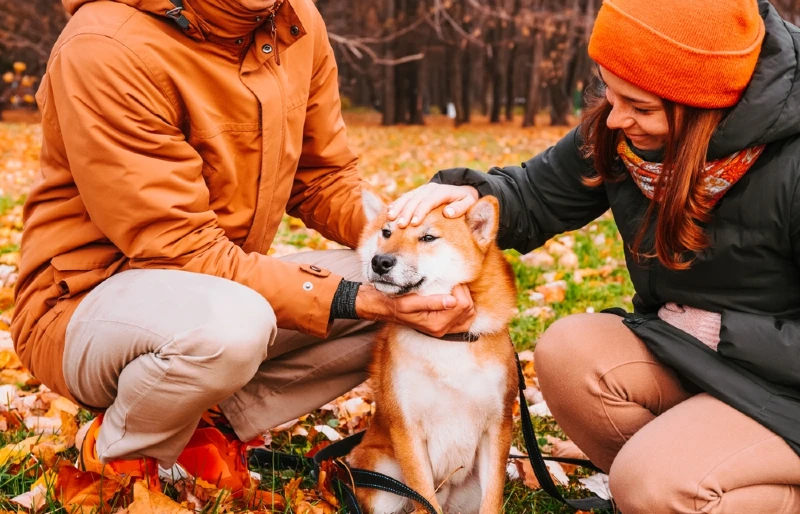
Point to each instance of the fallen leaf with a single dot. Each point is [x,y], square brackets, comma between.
[86,491]
[536,297]
[329,432]
[570,450]
[526,356]
[34,500]
[598,484]
[60,405]
[542,312]
[146,501]
[43,425]
[538,259]
[528,477]
[554,292]
[568,260]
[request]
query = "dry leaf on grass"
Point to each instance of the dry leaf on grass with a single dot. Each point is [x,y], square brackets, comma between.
[85,491]
[554,292]
[567,449]
[528,477]
[34,500]
[146,501]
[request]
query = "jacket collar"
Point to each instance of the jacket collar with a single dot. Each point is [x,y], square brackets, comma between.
[203,19]
[223,19]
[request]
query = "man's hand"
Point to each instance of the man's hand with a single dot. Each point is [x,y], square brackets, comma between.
[413,206]
[435,315]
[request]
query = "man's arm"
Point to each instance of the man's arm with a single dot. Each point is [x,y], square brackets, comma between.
[326,193]
[141,181]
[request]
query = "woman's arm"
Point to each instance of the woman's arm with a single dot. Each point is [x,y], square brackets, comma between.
[543,197]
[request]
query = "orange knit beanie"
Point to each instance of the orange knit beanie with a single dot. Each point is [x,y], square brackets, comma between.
[695,52]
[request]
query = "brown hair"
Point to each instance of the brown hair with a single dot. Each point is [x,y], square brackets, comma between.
[682,203]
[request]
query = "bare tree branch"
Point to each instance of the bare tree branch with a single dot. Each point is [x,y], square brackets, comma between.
[356,47]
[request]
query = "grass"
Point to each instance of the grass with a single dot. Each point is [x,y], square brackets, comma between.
[394,160]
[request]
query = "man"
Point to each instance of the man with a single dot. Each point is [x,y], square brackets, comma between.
[175,136]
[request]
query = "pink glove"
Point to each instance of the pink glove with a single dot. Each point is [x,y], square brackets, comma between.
[703,325]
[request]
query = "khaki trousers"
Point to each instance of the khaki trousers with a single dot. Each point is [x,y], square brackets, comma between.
[156,348]
[666,451]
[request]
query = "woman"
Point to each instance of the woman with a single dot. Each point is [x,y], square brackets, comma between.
[692,403]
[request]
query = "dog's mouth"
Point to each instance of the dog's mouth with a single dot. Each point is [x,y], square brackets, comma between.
[390,287]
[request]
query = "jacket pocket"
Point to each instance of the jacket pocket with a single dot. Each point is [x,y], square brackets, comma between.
[78,271]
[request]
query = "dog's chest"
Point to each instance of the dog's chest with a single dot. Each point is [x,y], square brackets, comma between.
[447,394]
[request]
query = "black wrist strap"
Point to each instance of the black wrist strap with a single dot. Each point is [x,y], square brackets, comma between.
[344,300]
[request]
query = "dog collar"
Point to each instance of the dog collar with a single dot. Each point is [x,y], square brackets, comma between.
[459,337]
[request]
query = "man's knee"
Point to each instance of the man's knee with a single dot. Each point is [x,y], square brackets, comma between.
[235,338]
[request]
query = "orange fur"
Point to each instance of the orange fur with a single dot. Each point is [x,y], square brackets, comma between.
[402,357]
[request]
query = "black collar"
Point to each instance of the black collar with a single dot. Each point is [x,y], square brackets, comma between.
[459,337]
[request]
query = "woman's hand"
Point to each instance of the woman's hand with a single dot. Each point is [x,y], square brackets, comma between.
[413,206]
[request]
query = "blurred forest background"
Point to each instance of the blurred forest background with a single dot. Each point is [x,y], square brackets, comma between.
[404,58]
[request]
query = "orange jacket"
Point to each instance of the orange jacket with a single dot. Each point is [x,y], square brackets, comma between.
[181,148]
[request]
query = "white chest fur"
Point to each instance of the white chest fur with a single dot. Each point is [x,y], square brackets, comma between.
[449,396]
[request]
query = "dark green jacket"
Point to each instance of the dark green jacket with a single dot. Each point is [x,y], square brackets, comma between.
[750,273]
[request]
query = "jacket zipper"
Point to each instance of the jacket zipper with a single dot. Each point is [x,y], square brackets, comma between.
[275,38]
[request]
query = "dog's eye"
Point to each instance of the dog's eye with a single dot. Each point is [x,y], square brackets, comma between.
[428,238]
[386,233]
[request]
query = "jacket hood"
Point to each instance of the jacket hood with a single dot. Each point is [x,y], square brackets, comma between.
[224,19]
[770,107]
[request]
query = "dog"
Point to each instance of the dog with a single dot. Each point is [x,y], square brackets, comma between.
[443,417]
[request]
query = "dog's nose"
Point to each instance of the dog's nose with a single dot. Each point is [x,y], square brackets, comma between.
[381,264]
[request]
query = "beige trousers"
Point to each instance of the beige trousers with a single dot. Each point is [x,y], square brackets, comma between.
[666,451]
[156,348]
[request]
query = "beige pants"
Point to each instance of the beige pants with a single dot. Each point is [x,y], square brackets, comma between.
[666,451]
[156,348]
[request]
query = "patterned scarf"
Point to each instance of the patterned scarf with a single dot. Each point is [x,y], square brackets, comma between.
[718,176]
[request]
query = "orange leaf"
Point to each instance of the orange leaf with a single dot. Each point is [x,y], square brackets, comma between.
[570,450]
[266,500]
[146,501]
[526,474]
[84,491]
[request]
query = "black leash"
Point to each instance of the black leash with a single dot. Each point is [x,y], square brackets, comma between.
[347,479]
[537,460]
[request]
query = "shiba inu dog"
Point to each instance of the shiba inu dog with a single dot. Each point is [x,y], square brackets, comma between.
[443,415]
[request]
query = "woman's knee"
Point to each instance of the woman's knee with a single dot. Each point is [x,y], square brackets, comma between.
[558,343]
[641,483]
[571,347]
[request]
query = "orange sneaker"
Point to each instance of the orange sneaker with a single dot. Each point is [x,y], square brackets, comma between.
[219,458]
[138,469]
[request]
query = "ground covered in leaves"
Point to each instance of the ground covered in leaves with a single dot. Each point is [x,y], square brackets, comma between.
[582,271]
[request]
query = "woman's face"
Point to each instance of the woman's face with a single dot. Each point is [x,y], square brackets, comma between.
[639,114]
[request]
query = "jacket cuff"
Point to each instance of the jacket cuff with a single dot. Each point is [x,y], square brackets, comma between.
[466,177]
[316,292]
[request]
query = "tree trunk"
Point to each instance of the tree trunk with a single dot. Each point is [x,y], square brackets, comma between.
[535,87]
[389,91]
[457,92]
[510,90]
[466,85]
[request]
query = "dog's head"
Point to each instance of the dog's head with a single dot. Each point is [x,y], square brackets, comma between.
[430,258]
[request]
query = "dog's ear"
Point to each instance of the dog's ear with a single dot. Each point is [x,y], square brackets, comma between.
[483,219]
[372,204]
